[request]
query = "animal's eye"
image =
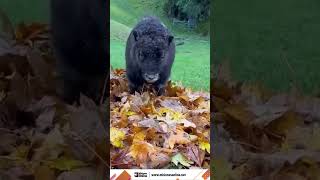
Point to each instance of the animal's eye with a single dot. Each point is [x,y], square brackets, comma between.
[141,55]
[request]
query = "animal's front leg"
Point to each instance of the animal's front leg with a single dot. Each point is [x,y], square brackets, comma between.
[134,88]
[160,89]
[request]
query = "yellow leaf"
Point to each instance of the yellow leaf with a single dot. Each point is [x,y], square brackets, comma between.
[116,137]
[20,154]
[130,113]
[177,116]
[20,151]
[140,136]
[204,145]
[65,164]
[173,115]
[162,111]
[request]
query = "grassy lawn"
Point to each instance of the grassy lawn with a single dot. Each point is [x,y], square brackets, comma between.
[192,63]
[260,39]
[26,11]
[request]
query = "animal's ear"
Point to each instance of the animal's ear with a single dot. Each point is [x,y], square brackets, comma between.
[135,35]
[170,39]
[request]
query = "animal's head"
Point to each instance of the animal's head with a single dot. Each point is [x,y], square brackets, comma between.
[152,54]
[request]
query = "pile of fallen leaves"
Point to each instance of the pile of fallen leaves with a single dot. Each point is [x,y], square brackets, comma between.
[262,135]
[256,134]
[148,131]
[42,137]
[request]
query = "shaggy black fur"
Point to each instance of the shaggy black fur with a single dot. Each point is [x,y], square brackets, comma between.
[150,53]
[79,33]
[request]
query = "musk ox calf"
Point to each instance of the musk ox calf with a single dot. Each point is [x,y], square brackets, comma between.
[150,54]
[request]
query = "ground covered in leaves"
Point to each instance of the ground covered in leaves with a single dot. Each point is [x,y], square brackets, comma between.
[262,135]
[148,131]
[41,136]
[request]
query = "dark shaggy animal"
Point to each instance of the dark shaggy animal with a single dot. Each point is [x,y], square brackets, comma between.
[79,34]
[150,54]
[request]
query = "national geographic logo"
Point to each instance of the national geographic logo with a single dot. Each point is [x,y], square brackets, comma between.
[140,174]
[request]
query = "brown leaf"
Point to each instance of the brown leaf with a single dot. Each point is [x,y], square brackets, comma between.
[40,68]
[239,113]
[85,124]
[309,140]
[140,151]
[195,154]
[173,104]
[222,90]
[266,114]
[150,123]
[45,119]
[87,102]
[219,104]
[173,91]
[26,33]
[44,172]
[51,147]
[304,168]
[179,137]
[159,160]
[43,103]
[283,124]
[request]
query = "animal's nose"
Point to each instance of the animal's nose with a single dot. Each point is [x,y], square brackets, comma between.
[151,77]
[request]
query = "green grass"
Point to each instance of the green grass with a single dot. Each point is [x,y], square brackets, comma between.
[192,63]
[119,31]
[26,11]
[255,36]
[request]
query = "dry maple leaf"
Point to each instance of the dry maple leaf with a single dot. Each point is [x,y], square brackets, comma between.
[179,137]
[30,32]
[240,113]
[140,151]
[173,91]
[195,154]
[158,159]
